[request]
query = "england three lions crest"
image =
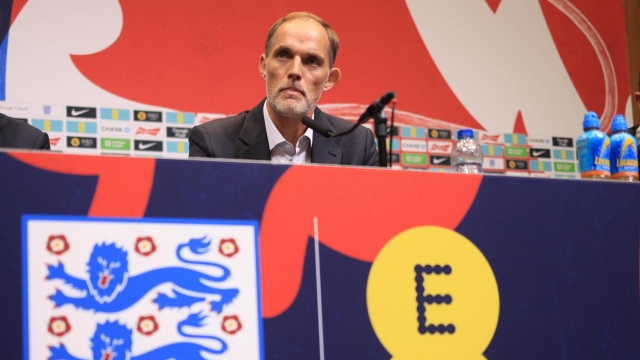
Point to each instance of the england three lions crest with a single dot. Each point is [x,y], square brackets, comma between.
[140,289]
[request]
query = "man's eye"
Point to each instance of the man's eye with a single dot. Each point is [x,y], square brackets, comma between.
[282,54]
[313,61]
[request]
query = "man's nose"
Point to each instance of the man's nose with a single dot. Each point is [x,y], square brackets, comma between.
[295,70]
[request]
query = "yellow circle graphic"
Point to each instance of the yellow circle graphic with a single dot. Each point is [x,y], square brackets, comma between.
[75,142]
[512,164]
[431,294]
[142,116]
[434,133]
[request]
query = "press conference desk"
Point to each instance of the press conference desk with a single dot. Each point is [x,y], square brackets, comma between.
[406,264]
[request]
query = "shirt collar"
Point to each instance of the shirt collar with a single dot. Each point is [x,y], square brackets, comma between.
[274,136]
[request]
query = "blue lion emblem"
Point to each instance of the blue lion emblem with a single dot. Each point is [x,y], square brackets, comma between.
[109,287]
[112,341]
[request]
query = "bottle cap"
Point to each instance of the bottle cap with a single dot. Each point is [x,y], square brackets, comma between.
[590,121]
[465,134]
[619,123]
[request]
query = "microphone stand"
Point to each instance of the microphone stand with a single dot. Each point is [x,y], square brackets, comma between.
[380,126]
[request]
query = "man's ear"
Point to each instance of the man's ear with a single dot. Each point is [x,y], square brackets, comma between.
[637,95]
[263,66]
[332,80]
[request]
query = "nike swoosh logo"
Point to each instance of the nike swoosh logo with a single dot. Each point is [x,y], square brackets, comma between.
[538,153]
[145,146]
[438,161]
[75,112]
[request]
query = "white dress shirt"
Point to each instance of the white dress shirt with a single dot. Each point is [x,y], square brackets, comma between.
[282,151]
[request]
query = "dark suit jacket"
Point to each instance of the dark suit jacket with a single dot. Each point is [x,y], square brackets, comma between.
[20,135]
[244,136]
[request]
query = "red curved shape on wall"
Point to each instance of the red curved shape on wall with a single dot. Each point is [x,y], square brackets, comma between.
[581,58]
[124,184]
[356,217]
[203,56]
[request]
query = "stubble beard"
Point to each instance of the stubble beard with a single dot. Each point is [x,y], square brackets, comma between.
[290,107]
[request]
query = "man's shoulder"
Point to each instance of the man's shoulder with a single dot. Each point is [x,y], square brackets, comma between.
[339,125]
[227,124]
[14,126]
[16,133]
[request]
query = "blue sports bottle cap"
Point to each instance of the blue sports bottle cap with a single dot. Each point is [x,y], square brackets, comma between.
[619,123]
[465,134]
[590,121]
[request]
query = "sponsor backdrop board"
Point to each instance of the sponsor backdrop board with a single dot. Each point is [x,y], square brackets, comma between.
[165,134]
[455,266]
[76,82]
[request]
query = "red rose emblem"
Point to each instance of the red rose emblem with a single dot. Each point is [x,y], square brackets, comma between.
[231,324]
[57,244]
[59,325]
[147,325]
[145,246]
[228,247]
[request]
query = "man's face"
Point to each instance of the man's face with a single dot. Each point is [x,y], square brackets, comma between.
[297,68]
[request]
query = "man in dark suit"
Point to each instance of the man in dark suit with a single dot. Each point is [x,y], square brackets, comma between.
[17,134]
[297,67]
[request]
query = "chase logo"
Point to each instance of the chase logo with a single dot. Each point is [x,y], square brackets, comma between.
[533,141]
[148,116]
[431,294]
[114,129]
[414,145]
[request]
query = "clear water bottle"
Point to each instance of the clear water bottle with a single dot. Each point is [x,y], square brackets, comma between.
[466,155]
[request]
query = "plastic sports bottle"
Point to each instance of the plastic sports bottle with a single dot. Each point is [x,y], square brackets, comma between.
[624,151]
[466,155]
[593,149]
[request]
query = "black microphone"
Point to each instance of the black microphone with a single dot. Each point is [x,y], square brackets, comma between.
[317,127]
[377,106]
[372,111]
